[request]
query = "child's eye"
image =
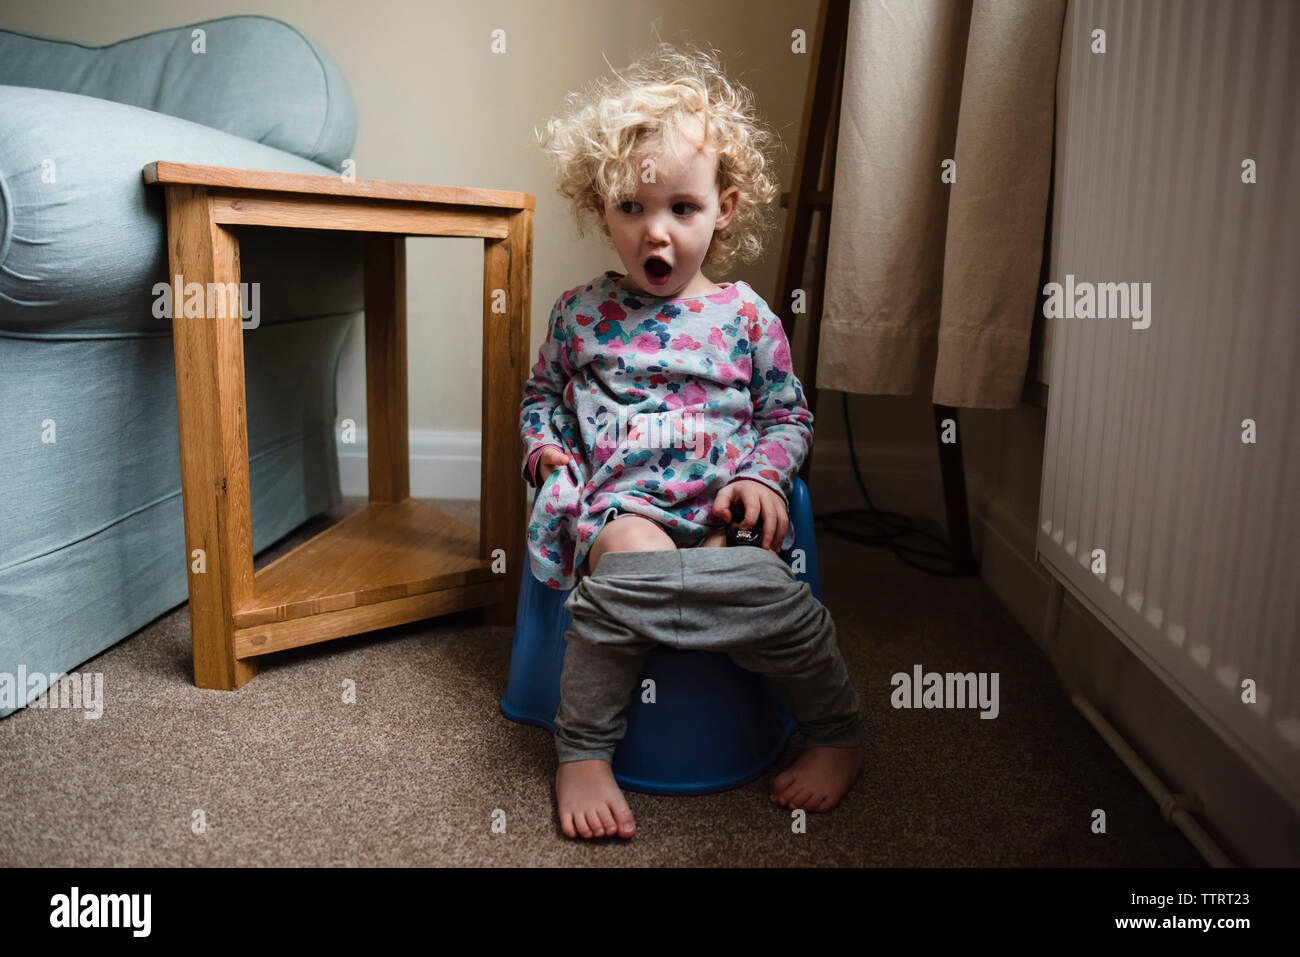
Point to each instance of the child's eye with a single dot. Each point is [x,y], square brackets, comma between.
[626,203]
[691,206]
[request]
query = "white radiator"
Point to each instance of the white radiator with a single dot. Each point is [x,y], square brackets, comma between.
[1144,457]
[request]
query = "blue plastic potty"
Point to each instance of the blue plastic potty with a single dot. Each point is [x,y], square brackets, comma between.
[714,725]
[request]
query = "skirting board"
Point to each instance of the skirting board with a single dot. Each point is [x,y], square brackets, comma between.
[443,464]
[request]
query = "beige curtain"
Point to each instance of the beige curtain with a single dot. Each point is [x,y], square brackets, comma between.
[931,287]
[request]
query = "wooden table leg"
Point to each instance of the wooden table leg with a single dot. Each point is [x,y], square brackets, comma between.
[388,455]
[954,496]
[507,289]
[209,351]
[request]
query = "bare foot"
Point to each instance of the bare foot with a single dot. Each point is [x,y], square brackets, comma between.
[818,779]
[590,800]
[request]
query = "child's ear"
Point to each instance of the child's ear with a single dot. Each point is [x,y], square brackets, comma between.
[726,207]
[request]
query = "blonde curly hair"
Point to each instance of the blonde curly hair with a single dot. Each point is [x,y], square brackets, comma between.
[595,136]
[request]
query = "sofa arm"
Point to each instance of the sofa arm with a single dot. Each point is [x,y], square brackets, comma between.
[252,76]
[83,240]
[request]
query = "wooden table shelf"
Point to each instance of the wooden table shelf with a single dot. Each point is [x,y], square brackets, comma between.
[398,559]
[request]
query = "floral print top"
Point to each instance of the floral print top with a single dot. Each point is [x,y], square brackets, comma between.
[660,403]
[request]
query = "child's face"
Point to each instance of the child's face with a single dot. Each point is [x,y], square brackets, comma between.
[672,218]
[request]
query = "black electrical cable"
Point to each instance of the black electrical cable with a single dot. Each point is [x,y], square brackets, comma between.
[881,528]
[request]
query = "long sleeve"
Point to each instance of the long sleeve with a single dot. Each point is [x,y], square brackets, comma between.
[780,412]
[531,460]
[544,394]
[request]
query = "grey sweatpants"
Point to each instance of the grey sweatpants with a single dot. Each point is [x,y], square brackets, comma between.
[743,601]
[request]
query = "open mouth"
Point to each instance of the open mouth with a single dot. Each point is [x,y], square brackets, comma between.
[657,270]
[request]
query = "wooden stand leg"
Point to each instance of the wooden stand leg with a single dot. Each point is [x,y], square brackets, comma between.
[213,431]
[507,291]
[387,444]
[954,496]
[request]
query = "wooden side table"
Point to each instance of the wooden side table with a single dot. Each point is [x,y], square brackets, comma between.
[398,559]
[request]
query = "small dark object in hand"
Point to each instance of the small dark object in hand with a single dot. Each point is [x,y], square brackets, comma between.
[738,536]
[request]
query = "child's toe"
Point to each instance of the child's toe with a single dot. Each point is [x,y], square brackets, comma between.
[800,797]
[788,790]
[626,822]
[606,819]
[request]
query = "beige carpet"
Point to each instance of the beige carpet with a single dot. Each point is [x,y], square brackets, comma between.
[283,773]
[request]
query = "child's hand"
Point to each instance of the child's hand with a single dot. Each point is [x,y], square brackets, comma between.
[757,500]
[550,460]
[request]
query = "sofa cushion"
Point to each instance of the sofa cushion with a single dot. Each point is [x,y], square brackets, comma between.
[83,239]
[257,78]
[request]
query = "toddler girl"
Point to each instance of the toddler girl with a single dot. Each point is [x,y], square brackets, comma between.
[660,400]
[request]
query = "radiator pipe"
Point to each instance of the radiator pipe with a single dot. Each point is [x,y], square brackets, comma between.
[1176,809]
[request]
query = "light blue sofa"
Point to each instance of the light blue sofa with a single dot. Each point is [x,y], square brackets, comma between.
[91,531]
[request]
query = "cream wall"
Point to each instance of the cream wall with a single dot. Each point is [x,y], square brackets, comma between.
[437,106]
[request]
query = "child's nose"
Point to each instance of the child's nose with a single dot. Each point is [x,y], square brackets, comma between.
[657,229]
